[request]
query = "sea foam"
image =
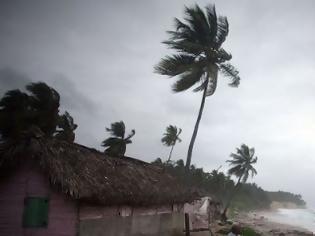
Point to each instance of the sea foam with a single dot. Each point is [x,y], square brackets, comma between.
[304,218]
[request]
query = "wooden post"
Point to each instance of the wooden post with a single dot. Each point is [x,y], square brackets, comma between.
[187,230]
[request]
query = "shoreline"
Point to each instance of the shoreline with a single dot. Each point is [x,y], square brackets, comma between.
[265,226]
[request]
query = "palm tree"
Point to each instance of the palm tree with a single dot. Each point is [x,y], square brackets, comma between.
[171,137]
[66,127]
[198,42]
[14,114]
[19,111]
[242,167]
[116,145]
[45,102]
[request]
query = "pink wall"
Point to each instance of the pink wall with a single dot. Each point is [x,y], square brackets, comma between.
[27,181]
[131,221]
[88,212]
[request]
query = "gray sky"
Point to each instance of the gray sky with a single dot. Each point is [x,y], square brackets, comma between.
[99,55]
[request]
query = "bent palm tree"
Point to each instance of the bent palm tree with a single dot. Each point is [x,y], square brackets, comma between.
[67,127]
[38,107]
[242,167]
[200,56]
[116,145]
[45,102]
[171,137]
[14,115]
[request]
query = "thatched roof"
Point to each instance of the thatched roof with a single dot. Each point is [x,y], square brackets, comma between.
[89,175]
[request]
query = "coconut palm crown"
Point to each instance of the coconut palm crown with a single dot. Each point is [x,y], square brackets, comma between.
[38,106]
[170,137]
[199,57]
[242,163]
[116,145]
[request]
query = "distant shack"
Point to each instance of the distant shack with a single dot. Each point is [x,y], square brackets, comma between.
[50,187]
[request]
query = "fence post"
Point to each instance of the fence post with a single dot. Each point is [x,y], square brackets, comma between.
[187,230]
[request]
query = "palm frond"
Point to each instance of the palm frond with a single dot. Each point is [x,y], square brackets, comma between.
[229,71]
[245,150]
[194,36]
[171,130]
[43,96]
[133,132]
[111,142]
[235,162]
[252,152]
[212,19]
[236,170]
[183,39]
[127,141]
[222,56]
[66,122]
[175,65]
[201,87]
[183,32]
[184,45]
[66,127]
[188,79]
[166,140]
[178,133]
[253,171]
[117,129]
[254,160]
[235,157]
[180,26]
[222,31]
[198,23]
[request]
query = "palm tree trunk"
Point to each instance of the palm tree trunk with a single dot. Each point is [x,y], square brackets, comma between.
[224,217]
[194,135]
[170,155]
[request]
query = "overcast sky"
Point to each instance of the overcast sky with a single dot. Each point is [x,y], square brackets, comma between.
[99,55]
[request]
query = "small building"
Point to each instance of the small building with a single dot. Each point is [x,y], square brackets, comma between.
[50,187]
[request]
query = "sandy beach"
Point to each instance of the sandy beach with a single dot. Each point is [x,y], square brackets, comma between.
[265,226]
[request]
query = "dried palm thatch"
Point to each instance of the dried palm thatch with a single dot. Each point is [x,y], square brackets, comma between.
[88,175]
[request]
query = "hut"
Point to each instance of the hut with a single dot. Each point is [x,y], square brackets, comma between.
[50,187]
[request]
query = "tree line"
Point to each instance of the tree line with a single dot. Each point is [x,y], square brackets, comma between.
[217,183]
[220,187]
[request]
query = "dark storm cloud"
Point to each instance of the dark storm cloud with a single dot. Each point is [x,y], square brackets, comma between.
[100,57]
[71,98]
